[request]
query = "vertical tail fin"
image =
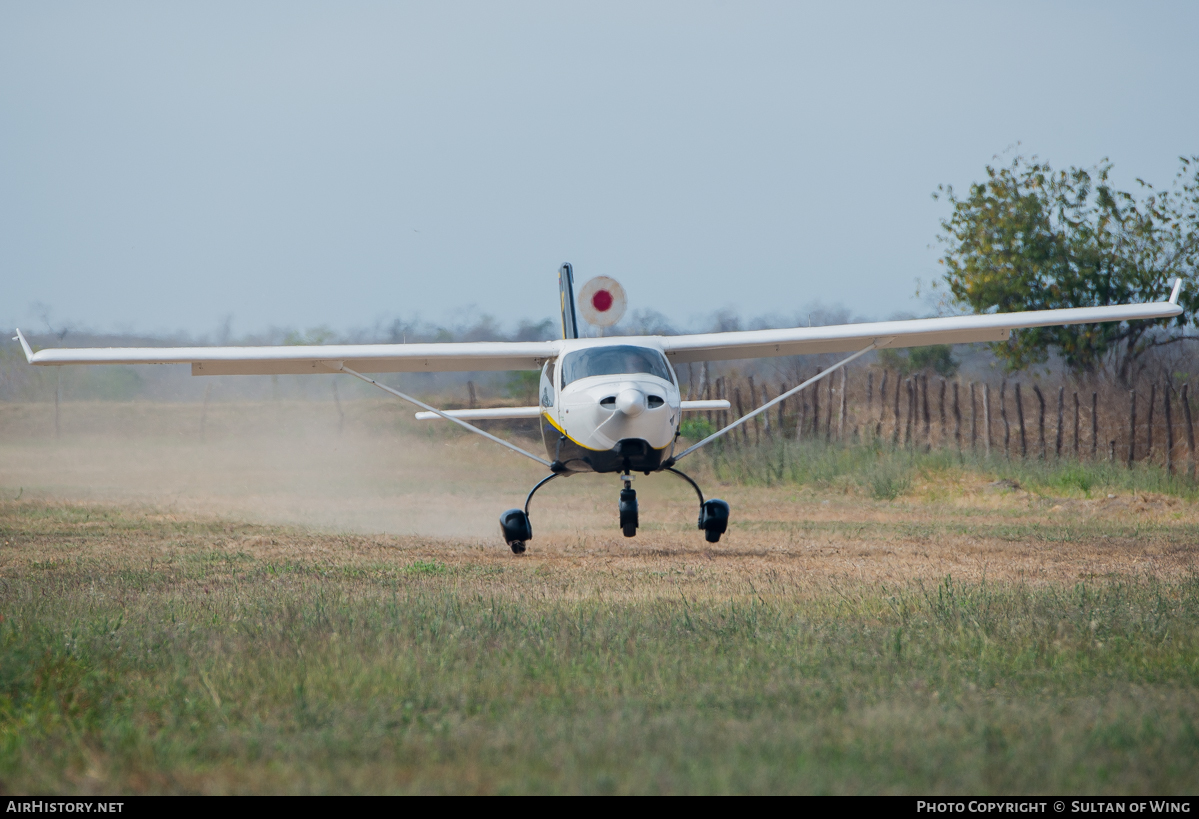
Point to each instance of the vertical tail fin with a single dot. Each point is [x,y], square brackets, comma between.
[566,288]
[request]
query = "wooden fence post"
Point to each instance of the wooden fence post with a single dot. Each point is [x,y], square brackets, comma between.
[1149,423]
[1169,430]
[941,408]
[803,416]
[740,412]
[828,419]
[907,430]
[928,421]
[1020,417]
[1036,388]
[753,399]
[987,418]
[957,419]
[882,406]
[766,425]
[1094,425]
[841,410]
[1061,407]
[1186,412]
[973,419]
[1077,454]
[870,393]
[766,415]
[783,411]
[1132,427]
[1007,427]
[895,432]
[816,406]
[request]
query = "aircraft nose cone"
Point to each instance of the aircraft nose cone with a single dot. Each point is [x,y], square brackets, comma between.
[631,402]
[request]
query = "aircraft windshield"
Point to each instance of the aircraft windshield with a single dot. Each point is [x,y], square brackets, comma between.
[620,360]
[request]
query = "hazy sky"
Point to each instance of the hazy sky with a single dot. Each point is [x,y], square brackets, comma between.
[164,165]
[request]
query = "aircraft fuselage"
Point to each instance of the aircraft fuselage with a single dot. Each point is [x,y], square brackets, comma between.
[609,406]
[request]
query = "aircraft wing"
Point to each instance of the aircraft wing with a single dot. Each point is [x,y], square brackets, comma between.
[300,360]
[530,355]
[842,338]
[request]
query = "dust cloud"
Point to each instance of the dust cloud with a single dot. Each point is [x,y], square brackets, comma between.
[373,469]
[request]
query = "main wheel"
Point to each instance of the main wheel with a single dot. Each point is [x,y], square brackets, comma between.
[516,529]
[629,531]
[714,519]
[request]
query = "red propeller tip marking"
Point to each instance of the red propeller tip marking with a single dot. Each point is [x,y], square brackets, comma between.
[602,300]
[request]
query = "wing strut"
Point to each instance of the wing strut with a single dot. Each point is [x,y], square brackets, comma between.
[878,342]
[444,415]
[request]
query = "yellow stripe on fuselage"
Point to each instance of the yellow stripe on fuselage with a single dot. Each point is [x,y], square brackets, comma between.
[554,424]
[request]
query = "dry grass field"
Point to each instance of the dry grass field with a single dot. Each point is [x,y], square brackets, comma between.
[283,607]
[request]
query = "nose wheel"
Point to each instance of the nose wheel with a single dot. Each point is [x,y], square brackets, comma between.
[628,507]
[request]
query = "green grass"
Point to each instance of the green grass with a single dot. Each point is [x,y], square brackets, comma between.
[885,473]
[227,673]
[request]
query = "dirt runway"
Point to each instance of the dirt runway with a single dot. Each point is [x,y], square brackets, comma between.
[281,482]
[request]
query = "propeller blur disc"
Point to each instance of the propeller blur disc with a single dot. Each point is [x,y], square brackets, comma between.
[602,302]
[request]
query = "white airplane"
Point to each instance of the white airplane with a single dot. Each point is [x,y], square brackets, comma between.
[607,405]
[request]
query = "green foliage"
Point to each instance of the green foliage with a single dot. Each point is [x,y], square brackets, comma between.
[1075,476]
[888,480]
[696,428]
[883,473]
[1030,238]
[522,385]
[937,358]
[426,567]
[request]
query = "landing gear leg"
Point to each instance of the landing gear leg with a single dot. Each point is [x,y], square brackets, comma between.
[515,525]
[713,514]
[628,506]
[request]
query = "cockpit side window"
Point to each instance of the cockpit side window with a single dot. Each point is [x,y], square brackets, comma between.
[616,360]
[547,383]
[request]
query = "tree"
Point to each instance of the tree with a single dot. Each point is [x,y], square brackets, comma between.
[936,357]
[1029,238]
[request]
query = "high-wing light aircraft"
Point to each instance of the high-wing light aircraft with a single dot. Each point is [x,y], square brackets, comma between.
[607,405]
